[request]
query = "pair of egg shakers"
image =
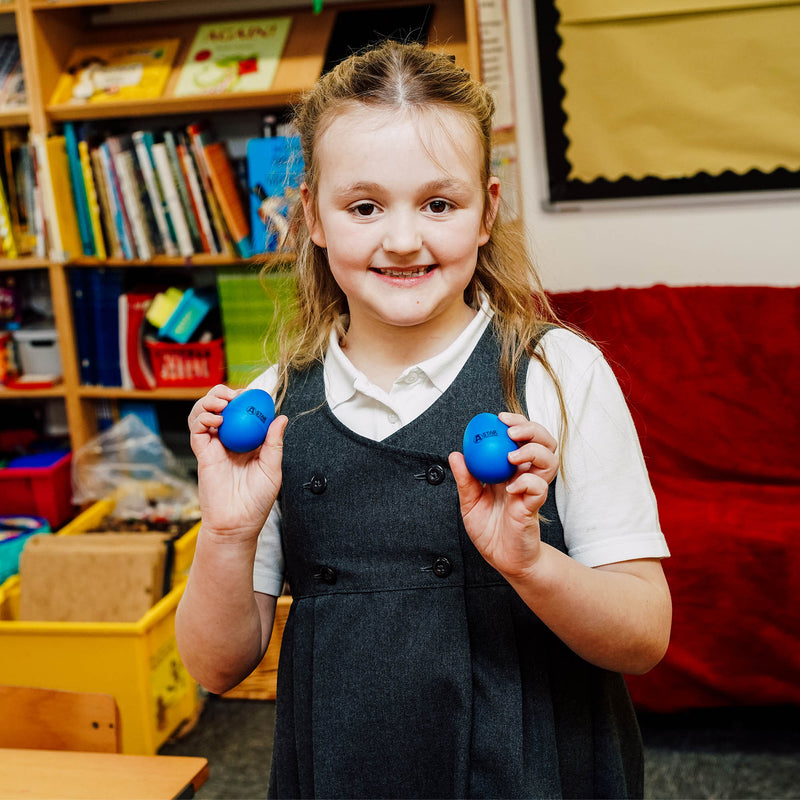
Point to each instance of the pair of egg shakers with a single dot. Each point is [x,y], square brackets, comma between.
[486,444]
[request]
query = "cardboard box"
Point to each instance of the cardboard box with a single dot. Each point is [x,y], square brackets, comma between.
[136,662]
[96,577]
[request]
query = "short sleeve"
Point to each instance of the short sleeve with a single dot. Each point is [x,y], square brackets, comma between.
[603,493]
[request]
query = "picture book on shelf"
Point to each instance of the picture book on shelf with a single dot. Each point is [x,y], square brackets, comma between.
[233,56]
[274,174]
[104,73]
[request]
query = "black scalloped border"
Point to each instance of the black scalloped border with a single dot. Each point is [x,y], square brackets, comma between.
[564,189]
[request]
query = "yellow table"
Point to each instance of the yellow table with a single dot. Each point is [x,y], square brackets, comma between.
[65,774]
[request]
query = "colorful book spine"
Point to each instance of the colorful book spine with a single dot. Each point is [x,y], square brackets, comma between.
[136,372]
[92,198]
[226,189]
[79,194]
[198,199]
[122,161]
[183,192]
[7,241]
[145,246]
[119,214]
[39,215]
[180,225]
[104,196]
[142,142]
[64,240]
[217,218]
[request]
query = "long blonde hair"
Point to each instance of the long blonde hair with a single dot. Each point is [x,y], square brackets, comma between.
[407,76]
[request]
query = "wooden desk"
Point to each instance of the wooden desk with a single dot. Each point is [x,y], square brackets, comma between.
[64,774]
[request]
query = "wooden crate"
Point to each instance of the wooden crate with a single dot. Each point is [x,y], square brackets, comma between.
[261,683]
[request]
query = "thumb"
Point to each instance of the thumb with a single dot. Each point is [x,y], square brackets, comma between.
[271,453]
[469,487]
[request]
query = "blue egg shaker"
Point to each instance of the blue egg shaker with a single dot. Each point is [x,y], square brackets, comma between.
[486,448]
[245,420]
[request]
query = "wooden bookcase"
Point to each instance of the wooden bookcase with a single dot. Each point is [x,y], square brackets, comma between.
[48,31]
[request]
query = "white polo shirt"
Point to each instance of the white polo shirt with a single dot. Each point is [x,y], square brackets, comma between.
[604,498]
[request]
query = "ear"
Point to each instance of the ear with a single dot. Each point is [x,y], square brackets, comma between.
[310,213]
[492,206]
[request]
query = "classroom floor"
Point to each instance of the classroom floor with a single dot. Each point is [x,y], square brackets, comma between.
[730,753]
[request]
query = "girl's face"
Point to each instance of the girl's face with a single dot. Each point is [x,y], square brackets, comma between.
[400,210]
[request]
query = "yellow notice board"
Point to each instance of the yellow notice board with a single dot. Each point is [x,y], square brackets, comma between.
[673,89]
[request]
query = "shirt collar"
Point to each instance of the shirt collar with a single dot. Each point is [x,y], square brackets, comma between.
[343,380]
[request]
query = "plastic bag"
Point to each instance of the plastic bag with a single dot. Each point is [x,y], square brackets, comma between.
[130,465]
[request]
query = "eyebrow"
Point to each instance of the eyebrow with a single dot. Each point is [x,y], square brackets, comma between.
[367,188]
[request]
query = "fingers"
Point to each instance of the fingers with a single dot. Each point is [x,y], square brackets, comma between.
[537,447]
[206,412]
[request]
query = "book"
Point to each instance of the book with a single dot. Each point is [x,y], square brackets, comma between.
[226,188]
[92,199]
[105,200]
[143,142]
[135,369]
[274,175]
[106,287]
[83,317]
[105,73]
[224,241]
[64,240]
[79,194]
[233,56]
[20,185]
[12,90]
[180,226]
[197,195]
[183,191]
[143,196]
[39,215]
[8,245]
[119,213]
[9,58]
[122,156]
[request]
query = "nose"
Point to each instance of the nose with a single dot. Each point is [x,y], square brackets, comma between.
[402,235]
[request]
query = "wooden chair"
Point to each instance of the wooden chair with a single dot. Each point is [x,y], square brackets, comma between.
[51,719]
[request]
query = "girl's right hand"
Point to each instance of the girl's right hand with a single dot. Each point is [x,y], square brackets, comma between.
[236,490]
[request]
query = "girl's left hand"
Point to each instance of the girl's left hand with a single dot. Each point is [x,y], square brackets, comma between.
[503,519]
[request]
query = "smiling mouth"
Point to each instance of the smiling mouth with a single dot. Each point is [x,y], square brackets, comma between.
[415,272]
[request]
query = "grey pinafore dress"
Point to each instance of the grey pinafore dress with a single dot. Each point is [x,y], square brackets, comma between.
[409,667]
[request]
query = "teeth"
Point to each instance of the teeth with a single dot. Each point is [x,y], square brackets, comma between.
[403,273]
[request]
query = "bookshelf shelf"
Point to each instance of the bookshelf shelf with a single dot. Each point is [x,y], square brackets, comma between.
[14,117]
[50,30]
[197,260]
[15,264]
[118,393]
[24,394]
[163,106]
[41,5]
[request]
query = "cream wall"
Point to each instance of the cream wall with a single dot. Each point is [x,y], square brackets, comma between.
[754,241]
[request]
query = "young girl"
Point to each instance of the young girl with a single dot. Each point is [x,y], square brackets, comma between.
[446,638]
